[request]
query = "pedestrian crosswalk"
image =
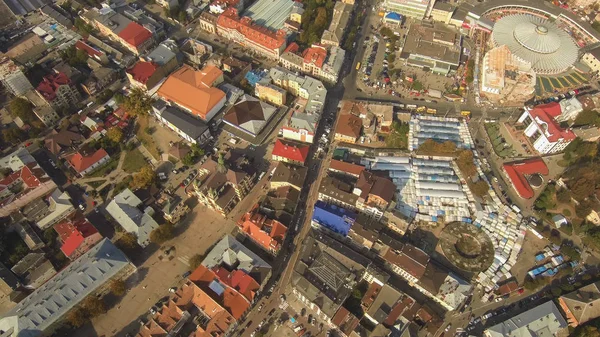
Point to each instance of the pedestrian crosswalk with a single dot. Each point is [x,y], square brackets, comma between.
[184,259]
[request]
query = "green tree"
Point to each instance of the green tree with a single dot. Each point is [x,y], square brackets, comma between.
[13,135]
[83,28]
[480,188]
[94,306]
[115,135]
[144,178]
[196,260]
[73,56]
[118,287]
[22,108]
[466,163]
[77,317]
[127,241]
[563,195]
[162,233]
[587,117]
[221,164]
[50,235]
[137,102]
[182,17]
[104,96]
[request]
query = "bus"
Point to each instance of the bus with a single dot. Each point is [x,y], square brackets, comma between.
[358,66]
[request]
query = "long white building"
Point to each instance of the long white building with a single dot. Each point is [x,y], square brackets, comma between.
[439,129]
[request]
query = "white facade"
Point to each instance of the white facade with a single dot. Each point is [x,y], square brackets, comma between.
[539,134]
[413,8]
[95,165]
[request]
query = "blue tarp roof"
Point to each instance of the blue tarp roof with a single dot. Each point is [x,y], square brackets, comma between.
[334,218]
[393,16]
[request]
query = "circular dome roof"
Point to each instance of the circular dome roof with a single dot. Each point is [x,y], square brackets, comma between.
[538,41]
[535,180]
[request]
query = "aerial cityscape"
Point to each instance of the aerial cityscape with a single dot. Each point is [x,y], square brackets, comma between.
[309,168]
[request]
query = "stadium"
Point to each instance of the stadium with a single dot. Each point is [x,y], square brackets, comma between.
[538,41]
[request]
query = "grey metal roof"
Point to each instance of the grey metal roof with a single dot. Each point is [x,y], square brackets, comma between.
[124,209]
[46,305]
[545,320]
[270,13]
[22,7]
[190,125]
[161,55]
[232,252]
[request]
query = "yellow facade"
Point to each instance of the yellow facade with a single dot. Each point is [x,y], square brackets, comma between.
[271,94]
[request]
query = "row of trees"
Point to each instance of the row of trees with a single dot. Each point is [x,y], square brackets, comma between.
[93,306]
[315,19]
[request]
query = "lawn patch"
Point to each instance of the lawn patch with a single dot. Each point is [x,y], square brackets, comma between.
[146,139]
[96,184]
[134,161]
[105,169]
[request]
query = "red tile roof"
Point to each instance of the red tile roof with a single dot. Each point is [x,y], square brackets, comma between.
[51,83]
[544,116]
[315,55]
[91,51]
[80,162]
[298,153]
[26,174]
[135,34]
[142,70]
[292,48]
[516,172]
[73,232]
[230,19]
[238,280]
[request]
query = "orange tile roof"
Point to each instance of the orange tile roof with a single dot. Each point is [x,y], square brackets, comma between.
[267,232]
[315,55]
[350,168]
[231,300]
[193,89]
[349,125]
[230,19]
[80,162]
[151,329]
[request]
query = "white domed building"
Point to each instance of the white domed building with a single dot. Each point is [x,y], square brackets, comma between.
[549,49]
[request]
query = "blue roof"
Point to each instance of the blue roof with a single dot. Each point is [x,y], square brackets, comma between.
[393,16]
[334,218]
[254,76]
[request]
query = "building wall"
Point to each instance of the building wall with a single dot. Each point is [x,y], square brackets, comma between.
[184,135]
[95,165]
[48,116]
[344,138]
[591,62]
[337,202]
[441,15]
[287,160]
[270,95]
[298,135]
[278,184]
[410,8]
